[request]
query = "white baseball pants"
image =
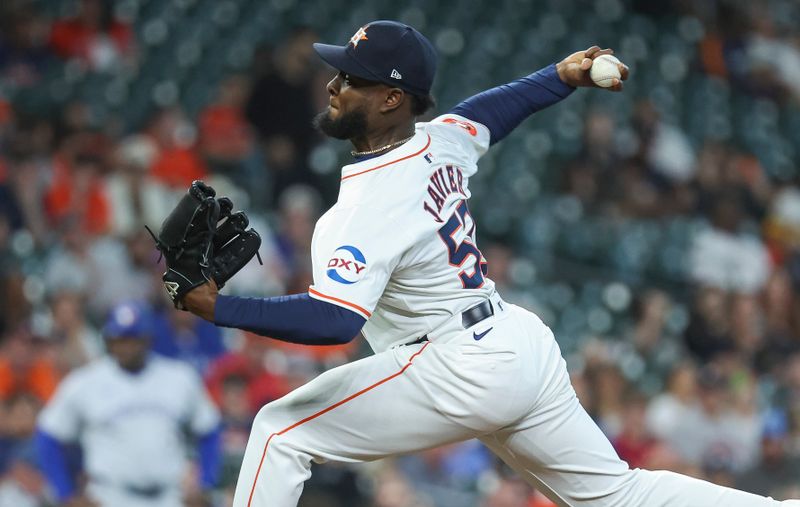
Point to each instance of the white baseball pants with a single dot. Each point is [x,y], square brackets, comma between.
[510,389]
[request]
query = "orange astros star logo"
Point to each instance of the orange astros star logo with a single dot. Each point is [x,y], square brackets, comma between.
[360,35]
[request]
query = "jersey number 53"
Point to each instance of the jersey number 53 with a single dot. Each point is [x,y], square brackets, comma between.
[459,253]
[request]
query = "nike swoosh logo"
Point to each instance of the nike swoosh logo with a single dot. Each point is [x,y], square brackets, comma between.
[479,336]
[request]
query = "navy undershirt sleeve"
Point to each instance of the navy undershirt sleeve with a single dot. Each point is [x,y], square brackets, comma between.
[209,450]
[504,107]
[297,318]
[53,463]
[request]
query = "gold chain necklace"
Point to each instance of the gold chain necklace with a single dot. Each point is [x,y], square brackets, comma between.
[377,150]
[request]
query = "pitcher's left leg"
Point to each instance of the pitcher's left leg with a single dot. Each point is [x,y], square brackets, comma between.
[559,449]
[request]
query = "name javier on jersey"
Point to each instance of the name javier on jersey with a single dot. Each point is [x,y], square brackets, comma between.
[445,181]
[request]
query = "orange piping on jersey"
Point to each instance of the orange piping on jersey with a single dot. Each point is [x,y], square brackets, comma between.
[326,410]
[342,301]
[390,163]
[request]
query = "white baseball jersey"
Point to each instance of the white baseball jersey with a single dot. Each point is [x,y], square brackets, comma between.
[399,247]
[130,425]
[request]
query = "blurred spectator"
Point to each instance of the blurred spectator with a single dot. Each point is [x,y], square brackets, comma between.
[634,442]
[773,62]
[16,306]
[23,369]
[510,493]
[23,45]
[582,180]
[299,209]
[17,427]
[237,418]
[650,334]
[286,91]
[599,147]
[76,193]
[11,223]
[708,332]
[249,366]
[723,256]
[77,341]
[500,258]
[782,224]
[10,212]
[25,206]
[668,410]
[747,329]
[94,36]
[788,393]
[143,269]
[449,474]
[23,484]
[591,176]
[394,490]
[101,269]
[225,136]
[779,322]
[661,456]
[664,147]
[227,142]
[777,468]
[130,405]
[334,485]
[135,197]
[177,163]
[609,389]
[637,193]
[717,435]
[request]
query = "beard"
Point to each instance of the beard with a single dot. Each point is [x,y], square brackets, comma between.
[350,125]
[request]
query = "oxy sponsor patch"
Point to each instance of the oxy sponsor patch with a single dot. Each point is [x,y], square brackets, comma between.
[347,265]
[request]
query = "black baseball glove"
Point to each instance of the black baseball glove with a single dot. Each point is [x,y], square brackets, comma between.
[203,239]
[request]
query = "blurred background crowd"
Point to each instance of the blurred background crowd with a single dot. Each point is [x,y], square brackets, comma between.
[657,231]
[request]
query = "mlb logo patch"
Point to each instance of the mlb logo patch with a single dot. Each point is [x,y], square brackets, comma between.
[347,265]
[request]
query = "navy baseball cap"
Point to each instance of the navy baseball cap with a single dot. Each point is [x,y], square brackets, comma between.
[386,51]
[131,319]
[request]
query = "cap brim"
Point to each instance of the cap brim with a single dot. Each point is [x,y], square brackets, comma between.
[113,330]
[338,58]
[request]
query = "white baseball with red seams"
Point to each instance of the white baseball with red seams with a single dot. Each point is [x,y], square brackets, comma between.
[399,248]
[605,70]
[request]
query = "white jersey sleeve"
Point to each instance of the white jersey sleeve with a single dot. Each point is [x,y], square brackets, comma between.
[468,139]
[203,414]
[362,249]
[62,417]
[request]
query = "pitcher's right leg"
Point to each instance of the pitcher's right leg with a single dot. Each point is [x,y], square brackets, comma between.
[361,411]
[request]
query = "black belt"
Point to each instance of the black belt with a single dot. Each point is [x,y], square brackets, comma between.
[149,491]
[145,491]
[469,318]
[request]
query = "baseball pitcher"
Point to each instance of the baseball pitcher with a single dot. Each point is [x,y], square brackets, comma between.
[396,260]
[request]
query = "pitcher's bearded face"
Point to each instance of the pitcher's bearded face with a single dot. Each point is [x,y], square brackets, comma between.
[342,125]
